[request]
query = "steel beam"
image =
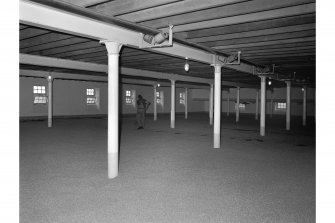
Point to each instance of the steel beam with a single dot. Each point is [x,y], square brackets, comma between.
[78,65]
[63,21]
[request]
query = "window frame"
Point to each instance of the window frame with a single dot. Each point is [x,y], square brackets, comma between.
[40,95]
[90,96]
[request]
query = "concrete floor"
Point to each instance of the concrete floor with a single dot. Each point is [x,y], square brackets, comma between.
[168,175]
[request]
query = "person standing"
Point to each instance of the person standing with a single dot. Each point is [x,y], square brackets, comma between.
[142,106]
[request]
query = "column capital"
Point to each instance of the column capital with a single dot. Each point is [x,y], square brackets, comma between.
[173,81]
[112,47]
[217,67]
[49,78]
[263,78]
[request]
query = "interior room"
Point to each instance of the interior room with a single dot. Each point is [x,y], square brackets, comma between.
[167,111]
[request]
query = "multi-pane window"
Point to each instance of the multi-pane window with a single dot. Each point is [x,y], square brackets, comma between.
[39,89]
[160,98]
[130,97]
[241,106]
[40,96]
[181,98]
[90,99]
[280,106]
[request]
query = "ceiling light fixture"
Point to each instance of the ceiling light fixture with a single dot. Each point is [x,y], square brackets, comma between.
[187,66]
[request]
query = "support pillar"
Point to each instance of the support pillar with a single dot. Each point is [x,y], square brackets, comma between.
[113,50]
[257,104]
[50,100]
[263,103]
[228,102]
[237,104]
[288,105]
[173,103]
[155,103]
[211,92]
[217,106]
[304,106]
[271,104]
[186,106]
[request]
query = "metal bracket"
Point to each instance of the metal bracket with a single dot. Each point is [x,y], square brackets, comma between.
[230,59]
[159,40]
[286,79]
[264,71]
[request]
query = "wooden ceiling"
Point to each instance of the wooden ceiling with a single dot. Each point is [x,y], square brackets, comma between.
[266,31]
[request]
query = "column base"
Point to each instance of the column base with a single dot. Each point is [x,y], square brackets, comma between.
[216,144]
[113,165]
[288,126]
[49,123]
[172,125]
[262,131]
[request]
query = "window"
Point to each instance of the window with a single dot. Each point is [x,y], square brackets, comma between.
[182,98]
[91,99]
[40,96]
[241,106]
[90,91]
[130,97]
[160,98]
[280,106]
[39,89]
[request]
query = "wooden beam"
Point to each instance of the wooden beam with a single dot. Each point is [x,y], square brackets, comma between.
[273,50]
[31,32]
[263,44]
[43,39]
[251,26]
[74,49]
[175,9]
[257,16]
[50,45]
[255,57]
[118,7]
[224,12]
[271,47]
[92,26]
[84,3]
[265,38]
[274,53]
[256,33]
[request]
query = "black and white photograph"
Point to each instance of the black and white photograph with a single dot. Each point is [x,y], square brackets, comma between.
[166,111]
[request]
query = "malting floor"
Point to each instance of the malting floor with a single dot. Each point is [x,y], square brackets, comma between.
[168,175]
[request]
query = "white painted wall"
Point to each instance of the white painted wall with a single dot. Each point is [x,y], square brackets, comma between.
[69,98]
[249,95]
